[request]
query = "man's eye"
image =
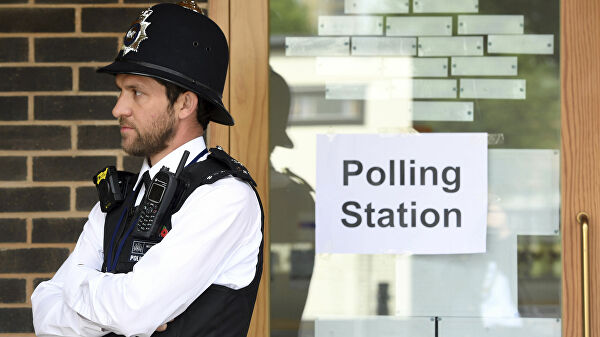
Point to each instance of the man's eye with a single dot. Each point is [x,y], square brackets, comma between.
[137,93]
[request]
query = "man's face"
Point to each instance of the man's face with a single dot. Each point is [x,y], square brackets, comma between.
[147,121]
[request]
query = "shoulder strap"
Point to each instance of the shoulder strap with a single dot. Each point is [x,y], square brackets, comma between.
[231,167]
[216,166]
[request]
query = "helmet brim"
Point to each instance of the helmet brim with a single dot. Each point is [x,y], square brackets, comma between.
[216,110]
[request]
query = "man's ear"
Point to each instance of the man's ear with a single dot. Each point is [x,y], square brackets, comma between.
[186,105]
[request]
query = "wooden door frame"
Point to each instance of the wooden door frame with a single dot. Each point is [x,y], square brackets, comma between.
[580,121]
[245,24]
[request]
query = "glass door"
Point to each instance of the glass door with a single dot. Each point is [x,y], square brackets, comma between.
[388,68]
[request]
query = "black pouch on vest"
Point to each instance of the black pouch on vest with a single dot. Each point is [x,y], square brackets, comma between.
[112,186]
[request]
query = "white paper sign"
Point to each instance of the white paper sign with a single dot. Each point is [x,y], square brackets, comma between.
[401,193]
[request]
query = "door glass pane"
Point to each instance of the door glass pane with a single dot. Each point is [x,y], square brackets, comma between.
[392,67]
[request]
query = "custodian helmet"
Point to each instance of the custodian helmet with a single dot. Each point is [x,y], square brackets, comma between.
[179,45]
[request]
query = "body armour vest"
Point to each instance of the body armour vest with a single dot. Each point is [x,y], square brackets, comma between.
[218,311]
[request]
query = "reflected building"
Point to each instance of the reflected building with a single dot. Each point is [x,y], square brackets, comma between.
[389,82]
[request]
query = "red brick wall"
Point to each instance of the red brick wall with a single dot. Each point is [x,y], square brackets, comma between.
[56,131]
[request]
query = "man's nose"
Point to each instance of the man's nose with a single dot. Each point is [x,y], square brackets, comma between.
[121,108]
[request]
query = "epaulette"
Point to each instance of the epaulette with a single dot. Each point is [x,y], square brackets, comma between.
[217,165]
[233,167]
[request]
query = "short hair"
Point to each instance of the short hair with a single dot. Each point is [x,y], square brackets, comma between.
[173,92]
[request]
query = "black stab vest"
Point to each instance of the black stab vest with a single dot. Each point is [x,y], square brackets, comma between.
[219,311]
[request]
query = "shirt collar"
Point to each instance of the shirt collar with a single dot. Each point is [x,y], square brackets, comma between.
[171,160]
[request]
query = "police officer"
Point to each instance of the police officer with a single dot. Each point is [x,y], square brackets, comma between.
[198,274]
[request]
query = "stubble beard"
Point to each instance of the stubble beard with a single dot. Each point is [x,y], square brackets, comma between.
[154,140]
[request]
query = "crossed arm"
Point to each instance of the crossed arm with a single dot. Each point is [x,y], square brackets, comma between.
[218,225]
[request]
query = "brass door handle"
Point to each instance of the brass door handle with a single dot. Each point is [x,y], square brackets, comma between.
[583,220]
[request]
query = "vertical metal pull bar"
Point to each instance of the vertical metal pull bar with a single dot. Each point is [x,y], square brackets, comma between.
[582,219]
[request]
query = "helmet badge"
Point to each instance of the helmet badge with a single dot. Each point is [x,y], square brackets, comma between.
[137,33]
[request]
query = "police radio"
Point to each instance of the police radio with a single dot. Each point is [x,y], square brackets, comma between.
[157,200]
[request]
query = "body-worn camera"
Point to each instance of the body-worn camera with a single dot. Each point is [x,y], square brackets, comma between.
[112,186]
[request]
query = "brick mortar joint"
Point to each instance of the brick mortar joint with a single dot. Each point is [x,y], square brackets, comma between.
[76,6]
[59,123]
[26,275]
[62,153]
[46,215]
[37,245]
[10,184]
[15,305]
[57,93]
[62,35]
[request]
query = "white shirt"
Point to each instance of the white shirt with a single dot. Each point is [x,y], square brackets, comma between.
[214,239]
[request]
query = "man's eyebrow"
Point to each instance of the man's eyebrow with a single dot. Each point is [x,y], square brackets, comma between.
[128,86]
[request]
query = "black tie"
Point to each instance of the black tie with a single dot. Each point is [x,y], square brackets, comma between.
[146,179]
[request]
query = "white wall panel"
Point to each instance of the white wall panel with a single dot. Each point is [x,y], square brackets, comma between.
[490,24]
[521,44]
[442,111]
[350,67]
[317,46]
[418,25]
[358,67]
[351,25]
[392,89]
[524,191]
[494,89]
[484,66]
[471,285]
[434,88]
[375,6]
[499,327]
[383,326]
[451,46]
[445,6]
[359,91]
[380,46]
[415,67]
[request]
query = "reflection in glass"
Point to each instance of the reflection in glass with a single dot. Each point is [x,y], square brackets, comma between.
[487,88]
[475,285]
[375,327]
[292,229]
[331,79]
[485,66]
[378,46]
[350,25]
[500,327]
[316,46]
[392,89]
[442,111]
[418,26]
[445,6]
[375,6]
[490,24]
[451,46]
[521,44]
